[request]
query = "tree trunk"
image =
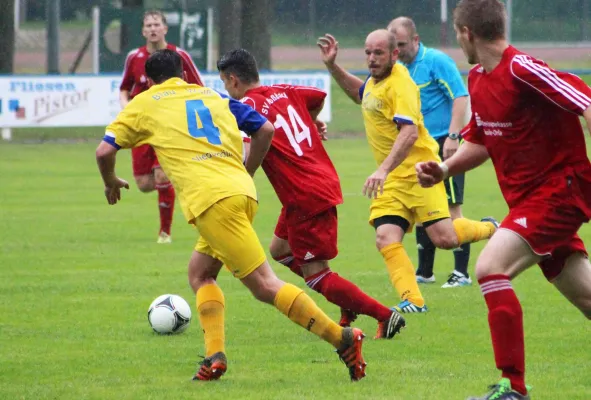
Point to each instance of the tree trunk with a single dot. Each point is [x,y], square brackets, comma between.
[230,23]
[256,33]
[125,33]
[7,37]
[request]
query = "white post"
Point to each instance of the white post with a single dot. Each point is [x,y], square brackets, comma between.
[6,134]
[17,15]
[509,19]
[210,62]
[96,31]
[443,31]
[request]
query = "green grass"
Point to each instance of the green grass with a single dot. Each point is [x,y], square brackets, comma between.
[78,275]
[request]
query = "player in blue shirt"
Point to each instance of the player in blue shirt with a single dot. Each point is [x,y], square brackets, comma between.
[444,100]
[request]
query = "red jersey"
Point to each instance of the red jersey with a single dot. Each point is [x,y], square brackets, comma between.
[527,116]
[297,164]
[135,80]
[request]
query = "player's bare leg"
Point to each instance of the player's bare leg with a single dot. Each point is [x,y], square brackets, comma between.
[400,269]
[574,282]
[145,183]
[504,257]
[301,309]
[166,198]
[449,234]
[339,291]
[281,252]
[209,298]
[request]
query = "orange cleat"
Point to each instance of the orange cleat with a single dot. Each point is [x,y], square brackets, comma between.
[212,368]
[350,353]
[347,318]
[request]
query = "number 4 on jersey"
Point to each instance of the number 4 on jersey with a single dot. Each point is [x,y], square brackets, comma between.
[200,122]
[298,134]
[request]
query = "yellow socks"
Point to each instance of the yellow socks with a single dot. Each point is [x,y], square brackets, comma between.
[402,273]
[301,309]
[469,231]
[210,306]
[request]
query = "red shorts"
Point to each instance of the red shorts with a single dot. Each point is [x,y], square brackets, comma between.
[549,220]
[310,239]
[144,160]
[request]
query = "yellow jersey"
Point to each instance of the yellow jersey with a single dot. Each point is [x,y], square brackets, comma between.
[386,106]
[195,132]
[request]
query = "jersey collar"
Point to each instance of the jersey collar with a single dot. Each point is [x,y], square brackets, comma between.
[420,55]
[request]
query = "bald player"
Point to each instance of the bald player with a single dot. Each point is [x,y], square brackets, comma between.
[391,108]
[444,101]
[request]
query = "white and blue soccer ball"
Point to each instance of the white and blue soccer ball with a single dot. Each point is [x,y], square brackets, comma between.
[169,313]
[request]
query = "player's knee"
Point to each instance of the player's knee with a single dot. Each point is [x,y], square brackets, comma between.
[384,239]
[145,183]
[446,241]
[484,267]
[265,292]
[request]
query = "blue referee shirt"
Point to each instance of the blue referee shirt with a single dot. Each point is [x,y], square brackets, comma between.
[439,81]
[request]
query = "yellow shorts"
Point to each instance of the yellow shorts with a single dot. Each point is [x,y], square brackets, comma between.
[407,199]
[227,235]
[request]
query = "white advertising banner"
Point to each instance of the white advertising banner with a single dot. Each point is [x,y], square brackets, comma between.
[93,100]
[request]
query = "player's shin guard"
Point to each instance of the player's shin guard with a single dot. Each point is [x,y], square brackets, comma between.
[402,273]
[470,231]
[289,261]
[210,307]
[347,295]
[505,319]
[301,309]
[426,250]
[166,197]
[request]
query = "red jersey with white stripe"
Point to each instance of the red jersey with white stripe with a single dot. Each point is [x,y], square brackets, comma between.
[135,80]
[527,116]
[297,164]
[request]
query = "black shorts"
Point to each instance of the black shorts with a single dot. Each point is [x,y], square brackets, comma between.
[454,186]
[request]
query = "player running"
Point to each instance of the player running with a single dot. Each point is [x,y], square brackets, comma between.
[526,119]
[391,108]
[308,187]
[195,133]
[444,101]
[146,169]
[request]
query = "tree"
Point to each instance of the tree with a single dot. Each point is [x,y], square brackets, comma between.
[255,30]
[7,36]
[230,24]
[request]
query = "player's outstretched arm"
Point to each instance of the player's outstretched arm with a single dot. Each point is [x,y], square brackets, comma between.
[260,141]
[105,158]
[468,156]
[329,48]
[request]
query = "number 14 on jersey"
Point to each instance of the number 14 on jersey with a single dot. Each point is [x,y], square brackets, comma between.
[297,133]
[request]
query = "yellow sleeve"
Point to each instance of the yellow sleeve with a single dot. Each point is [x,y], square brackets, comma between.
[403,106]
[127,131]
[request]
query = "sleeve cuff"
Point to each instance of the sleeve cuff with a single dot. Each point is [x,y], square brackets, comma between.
[403,119]
[110,138]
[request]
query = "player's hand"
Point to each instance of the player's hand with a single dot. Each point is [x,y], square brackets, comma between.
[429,173]
[450,147]
[321,126]
[375,184]
[113,190]
[329,48]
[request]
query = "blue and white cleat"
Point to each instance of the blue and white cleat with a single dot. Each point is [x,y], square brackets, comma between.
[457,279]
[422,279]
[408,307]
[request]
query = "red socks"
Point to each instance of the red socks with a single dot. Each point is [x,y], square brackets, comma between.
[166,198]
[505,320]
[347,295]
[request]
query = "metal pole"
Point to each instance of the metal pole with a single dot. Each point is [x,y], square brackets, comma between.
[509,20]
[443,31]
[53,36]
[17,15]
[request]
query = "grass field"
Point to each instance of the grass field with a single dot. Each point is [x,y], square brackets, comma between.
[78,275]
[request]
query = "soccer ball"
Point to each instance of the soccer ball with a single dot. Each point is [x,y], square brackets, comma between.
[169,313]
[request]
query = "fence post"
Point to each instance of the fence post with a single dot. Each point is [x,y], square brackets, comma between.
[53,36]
